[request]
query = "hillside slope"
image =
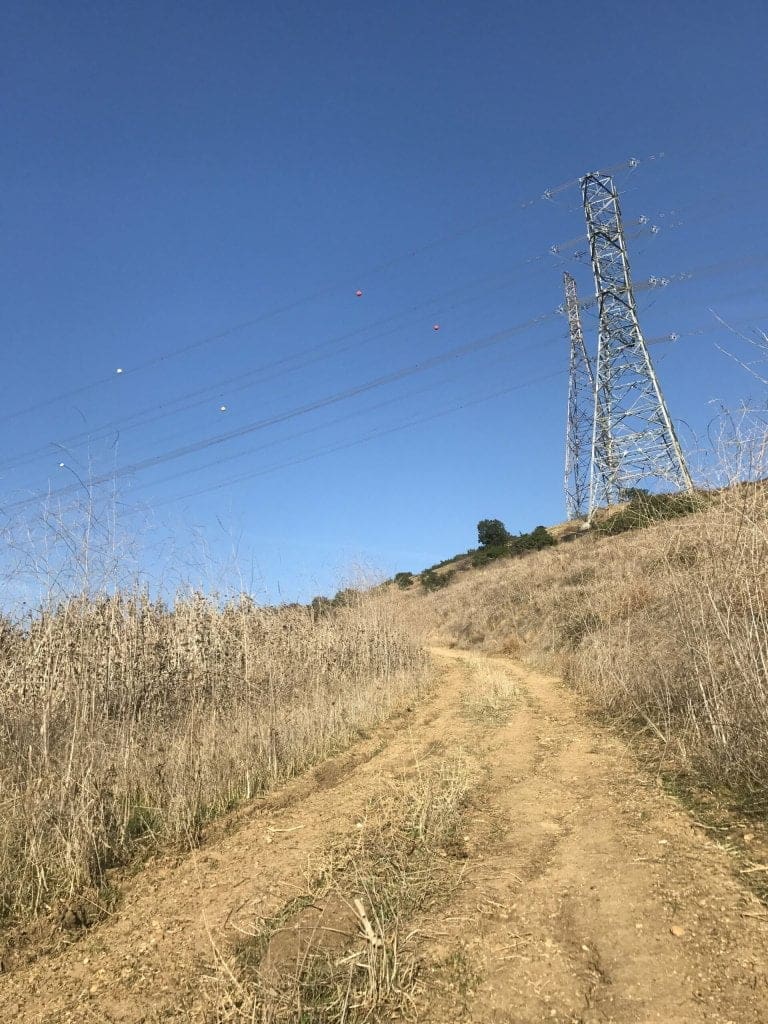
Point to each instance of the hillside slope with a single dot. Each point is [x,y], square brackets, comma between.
[663,628]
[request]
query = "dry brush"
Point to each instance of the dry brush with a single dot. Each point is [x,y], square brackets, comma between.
[126,725]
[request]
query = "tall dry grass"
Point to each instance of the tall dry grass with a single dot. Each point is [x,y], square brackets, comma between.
[665,628]
[126,724]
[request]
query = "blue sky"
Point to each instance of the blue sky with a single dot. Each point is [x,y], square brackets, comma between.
[194,192]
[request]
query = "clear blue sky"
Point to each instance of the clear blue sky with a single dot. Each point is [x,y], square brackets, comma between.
[175,170]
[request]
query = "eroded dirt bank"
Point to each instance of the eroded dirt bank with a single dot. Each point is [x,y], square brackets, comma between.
[586,893]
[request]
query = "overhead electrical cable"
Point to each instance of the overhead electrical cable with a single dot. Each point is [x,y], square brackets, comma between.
[286,364]
[305,357]
[217,439]
[357,413]
[302,300]
[372,435]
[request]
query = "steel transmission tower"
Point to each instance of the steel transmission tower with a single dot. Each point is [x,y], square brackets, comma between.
[581,406]
[633,438]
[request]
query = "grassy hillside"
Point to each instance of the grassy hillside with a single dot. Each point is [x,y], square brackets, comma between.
[664,627]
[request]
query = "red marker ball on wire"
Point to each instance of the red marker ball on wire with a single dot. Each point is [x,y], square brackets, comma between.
[358,293]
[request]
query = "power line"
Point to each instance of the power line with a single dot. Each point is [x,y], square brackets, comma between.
[217,439]
[318,293]
[315,353]
[287,364]
[373,435]
[711,268]
[329,423]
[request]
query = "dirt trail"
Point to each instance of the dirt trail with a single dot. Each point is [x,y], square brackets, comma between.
[588,896]
[594,897]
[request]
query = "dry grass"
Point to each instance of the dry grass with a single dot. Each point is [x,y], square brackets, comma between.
[491,695]
[340,953]
[665,628]
[126,725]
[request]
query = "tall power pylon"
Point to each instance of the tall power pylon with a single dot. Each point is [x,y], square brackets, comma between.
[581,405]
[633,438]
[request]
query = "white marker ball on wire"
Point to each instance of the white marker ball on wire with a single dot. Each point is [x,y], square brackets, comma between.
[119,369]
[222,408]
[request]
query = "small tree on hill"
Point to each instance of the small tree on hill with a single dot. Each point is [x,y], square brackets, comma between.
[491,533]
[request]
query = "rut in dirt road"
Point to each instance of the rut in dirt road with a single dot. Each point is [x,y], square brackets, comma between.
[582,893]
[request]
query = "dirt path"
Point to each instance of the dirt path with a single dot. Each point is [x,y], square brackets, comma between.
[588,896]
[594,898]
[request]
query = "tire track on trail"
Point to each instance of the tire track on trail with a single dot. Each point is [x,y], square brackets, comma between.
[587,896]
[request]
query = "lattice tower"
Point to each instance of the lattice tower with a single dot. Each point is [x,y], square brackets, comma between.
[633,438]
[581,404]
